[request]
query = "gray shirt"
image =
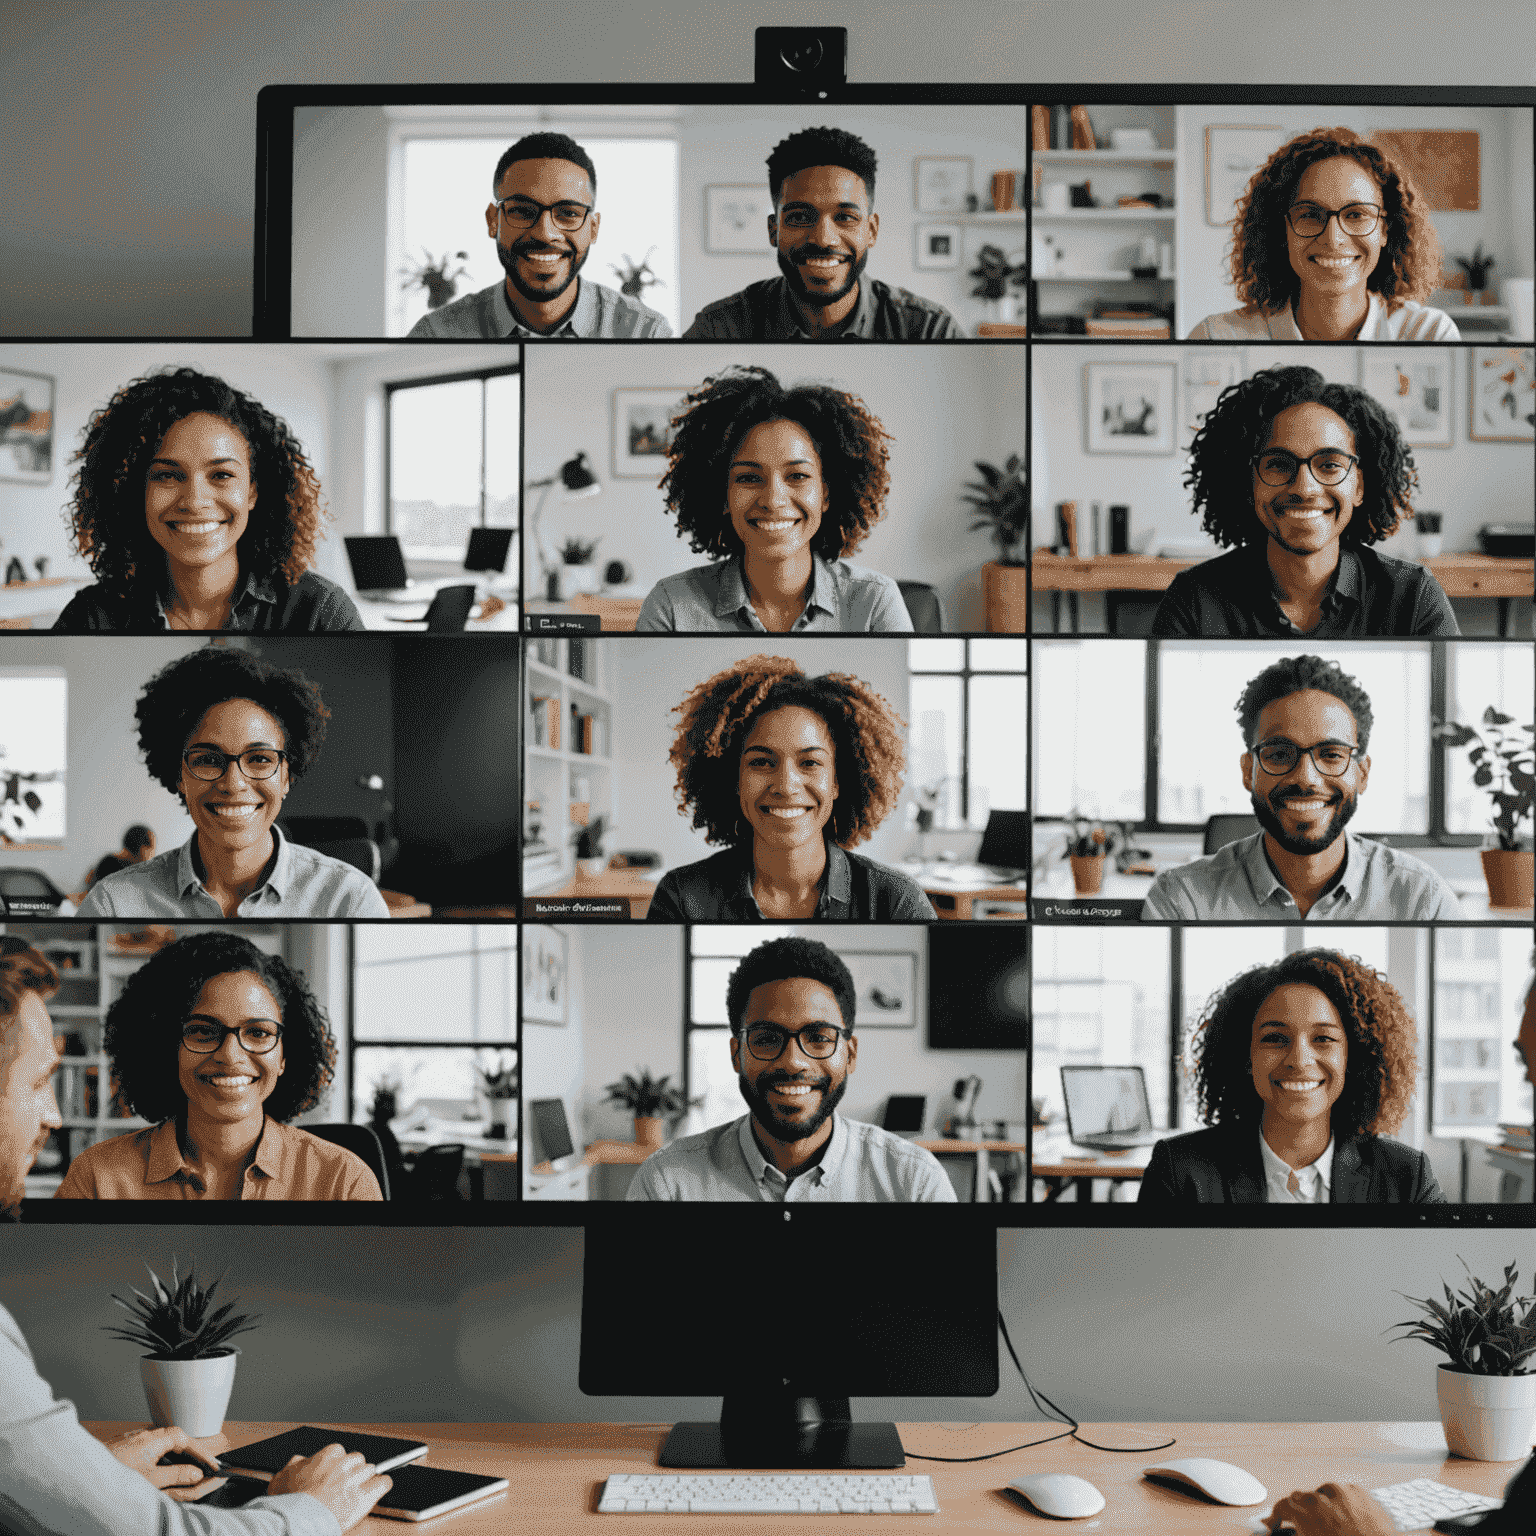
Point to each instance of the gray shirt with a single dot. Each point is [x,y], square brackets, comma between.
[1378,884]
[489,316]
[303,883]
[765,312]
[845,598]
[860,1162]
[56,1479]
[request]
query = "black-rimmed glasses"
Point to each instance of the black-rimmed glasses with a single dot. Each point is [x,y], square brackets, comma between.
[1328,466]
[524,213]
[1308,220]
[766,1042]
[209,764]
[205,1039]
[1330,758]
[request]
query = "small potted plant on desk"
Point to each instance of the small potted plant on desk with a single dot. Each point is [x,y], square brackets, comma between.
[1000,502]
[1503,758]
[652,1101]
[578,574]
[496,1080]
[993,272]
[1089,843]
[1477,267]
[1486,1387]
[189,1368]
[588,842]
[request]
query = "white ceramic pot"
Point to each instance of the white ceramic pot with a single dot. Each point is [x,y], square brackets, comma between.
[192,1394]
[1487,1418]
[580,578]
[1430,545]
[1005,308]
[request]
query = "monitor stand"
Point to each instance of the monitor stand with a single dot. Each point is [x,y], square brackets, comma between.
[765,1430]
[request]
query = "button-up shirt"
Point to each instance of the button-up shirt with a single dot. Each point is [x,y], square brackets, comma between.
[1284,1185]
[859,1162]
[1378,884]
[1408,322]
[846,598]
[313,605]
[765,312]
[488,316]
[302,883]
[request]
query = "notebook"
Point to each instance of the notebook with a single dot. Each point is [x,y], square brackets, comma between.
[266,1457]
[418,1493]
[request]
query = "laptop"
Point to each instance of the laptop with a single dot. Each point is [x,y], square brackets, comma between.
[1108,1108]
[378,568]
[1002,859]
[905,1115]
[488,549]
[552,1142]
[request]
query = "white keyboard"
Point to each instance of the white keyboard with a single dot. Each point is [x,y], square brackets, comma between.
[741,1493]
[1417,1505]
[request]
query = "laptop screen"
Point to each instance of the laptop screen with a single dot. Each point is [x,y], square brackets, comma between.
[904,1112]
[1005,843]
[1103,1100]
[487,549]
[377,563]
[551,1128]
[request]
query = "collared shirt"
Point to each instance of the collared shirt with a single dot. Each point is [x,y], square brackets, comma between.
[859,1162]
[765,312]
[313,605]
[1284,1185]
[489,316]
[1408,322]
[847,598]
[303,883]
[1378,884]
[719,889]
[289,1164]
[1236,596]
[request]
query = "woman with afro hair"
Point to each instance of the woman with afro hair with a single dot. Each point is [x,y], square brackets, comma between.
[788,771]
[1331,243]
[775,487]
[218,1045]
[1298,478]
[228,734]
[197,509]
[1302,1069]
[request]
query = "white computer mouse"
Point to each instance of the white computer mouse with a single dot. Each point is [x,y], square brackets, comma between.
[1218,1480]
[1059,1495]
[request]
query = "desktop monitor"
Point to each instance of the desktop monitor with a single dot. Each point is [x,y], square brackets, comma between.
[1005,843]
[377,562]
[789,1311]
[978,987]
[905,1113]
[488,549]
[551,1131]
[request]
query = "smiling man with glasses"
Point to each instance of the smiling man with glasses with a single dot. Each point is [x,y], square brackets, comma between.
[1306,725]
[791,1009]
[544,219]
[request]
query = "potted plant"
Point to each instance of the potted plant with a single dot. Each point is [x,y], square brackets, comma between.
[1487,1389]
[652,1101]
[1476,266]
[1089,843]
[188,1369]
[1427,526]
[577,572]
[1503,757]
[496,1079]
[999,502]
[588,843]
[433,275]
[636,276]
[992,273]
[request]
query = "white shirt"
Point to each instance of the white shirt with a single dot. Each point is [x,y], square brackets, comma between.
[1408,322]
[1284,1185]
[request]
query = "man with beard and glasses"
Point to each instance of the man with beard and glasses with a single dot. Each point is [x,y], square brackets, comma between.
[791,1009]
[544,221]
[822,226]
[1306,725]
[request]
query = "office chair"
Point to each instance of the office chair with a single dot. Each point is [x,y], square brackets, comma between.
[361,1141]
[30,884]
[448,611]
[923,605]
[339,837]
[1230,828]
[434,1173]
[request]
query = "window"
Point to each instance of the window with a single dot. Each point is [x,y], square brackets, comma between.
[1498,677]
[34,730]
[1478,1080]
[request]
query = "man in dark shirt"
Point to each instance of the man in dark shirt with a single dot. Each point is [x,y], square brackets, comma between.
[823,225]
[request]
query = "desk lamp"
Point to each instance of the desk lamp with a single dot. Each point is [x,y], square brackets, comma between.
[577,482]
[384,830]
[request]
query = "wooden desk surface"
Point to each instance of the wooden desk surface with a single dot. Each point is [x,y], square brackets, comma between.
[637,886]
[1052,1160]
[556,1473]
[1482,575]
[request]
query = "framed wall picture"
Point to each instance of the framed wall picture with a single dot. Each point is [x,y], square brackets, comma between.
[1232,154]
[938,247]
[1208,371]
[1503,394]
[885,986]
[1444,164]
[1414,384]
[642,422]
[736,219]
[1128,407]
[26,426]
[546,980]
[940,183]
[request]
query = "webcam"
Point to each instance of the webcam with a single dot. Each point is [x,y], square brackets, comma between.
[801,61]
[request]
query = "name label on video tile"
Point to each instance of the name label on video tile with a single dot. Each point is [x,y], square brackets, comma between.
[1091,910]
[562,623]
[545,907]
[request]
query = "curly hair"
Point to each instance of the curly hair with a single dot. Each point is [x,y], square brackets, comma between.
[142,1034]
[1234,432]
[719,714]
[1294,674]
[1383,1055]
[782,959]
[106,511]
[546,146]
[182,692]
[23,969]
[1409,265]
[709,428]
[820,146]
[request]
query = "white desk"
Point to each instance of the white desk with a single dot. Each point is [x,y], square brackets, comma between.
[386,617]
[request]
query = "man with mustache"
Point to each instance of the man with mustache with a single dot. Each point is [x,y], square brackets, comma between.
[544,221]
[823,225]
[1306,725]
[791,1009]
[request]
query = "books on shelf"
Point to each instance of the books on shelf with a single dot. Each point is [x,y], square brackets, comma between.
[544,721]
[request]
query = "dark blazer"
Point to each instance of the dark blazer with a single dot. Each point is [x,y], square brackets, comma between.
[1222,1166]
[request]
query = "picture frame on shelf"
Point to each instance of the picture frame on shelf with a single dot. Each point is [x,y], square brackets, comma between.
[941,183]
[1502,394]
[736,219]
[26,426]
[885,988]
[642,425]
[937,247]
[1413,385]
[1208,371]
[546,976]
[1233,152]
[1128,408]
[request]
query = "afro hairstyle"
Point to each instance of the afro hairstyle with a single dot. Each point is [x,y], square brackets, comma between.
[820,146]
[1295,674]
[782,960]
[546,146]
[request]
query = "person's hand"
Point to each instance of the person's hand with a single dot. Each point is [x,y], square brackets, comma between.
[1335,1509]
[141,1452]
[347,1485]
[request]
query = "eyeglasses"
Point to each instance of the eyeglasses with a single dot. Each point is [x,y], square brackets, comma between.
[208,764]
[1308,220]
[1328,466]
[524,213]
[766,1042]
[1331,758]
[205,1039]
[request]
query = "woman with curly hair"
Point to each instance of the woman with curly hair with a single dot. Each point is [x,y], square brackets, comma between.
[1331,243]
[228,734]
[197,509]
[775,486]
[1302,1068]
[218,1045]
[788,771]
[1299,477]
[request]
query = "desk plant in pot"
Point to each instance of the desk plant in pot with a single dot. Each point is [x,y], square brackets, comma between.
[1000,501]
[1486,1386]
[496,1080]
[1089,843]
[651,1100]
[1503,758]
[188,1367]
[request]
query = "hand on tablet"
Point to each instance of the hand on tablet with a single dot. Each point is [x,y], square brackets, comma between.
[347,1485]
